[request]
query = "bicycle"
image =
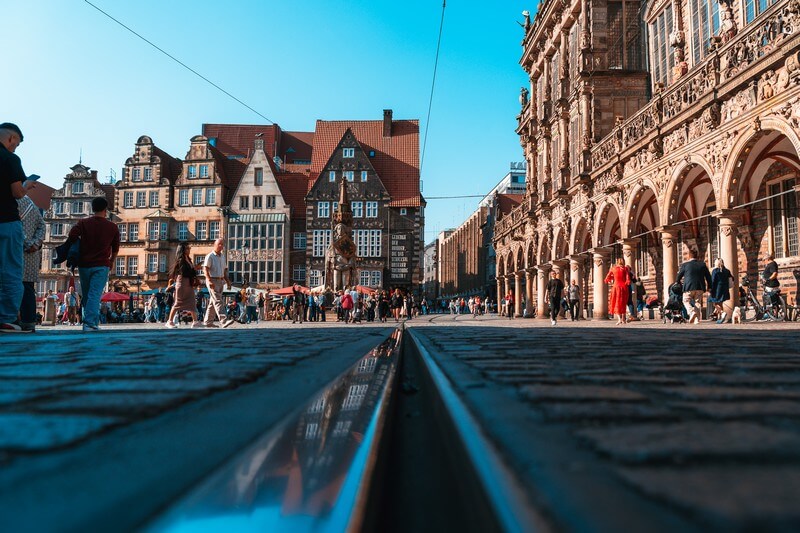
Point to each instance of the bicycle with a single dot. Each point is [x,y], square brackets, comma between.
[774,308]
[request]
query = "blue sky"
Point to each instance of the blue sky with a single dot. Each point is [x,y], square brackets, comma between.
[76,81]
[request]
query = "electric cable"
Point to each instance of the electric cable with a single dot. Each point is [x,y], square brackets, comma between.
[433,84]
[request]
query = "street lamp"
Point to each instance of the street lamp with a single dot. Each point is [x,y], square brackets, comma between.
[245,254]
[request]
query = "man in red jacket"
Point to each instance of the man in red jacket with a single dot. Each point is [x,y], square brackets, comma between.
[347,306]
[99,247]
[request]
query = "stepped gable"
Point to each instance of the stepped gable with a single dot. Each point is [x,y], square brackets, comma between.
[396,156]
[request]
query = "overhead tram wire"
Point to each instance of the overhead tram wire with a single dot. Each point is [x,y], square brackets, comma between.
[178,61]
[433,84]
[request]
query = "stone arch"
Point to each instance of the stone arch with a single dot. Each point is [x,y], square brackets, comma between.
[530,254]
[544,254]
[682,177]
[500,266]
[519,259]
[561,246]
[746,152]
[608,227]
[581,239]
[642,209]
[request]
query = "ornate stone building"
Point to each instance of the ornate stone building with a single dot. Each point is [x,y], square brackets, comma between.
[700,151]
[68,204]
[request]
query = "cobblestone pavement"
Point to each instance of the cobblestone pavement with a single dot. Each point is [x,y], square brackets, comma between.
[102,428]
[638,427]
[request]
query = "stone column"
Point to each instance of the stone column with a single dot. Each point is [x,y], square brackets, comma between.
[529,292]
[541,290]
[576,274]
[729,220]
[629,247]
[669,249]
[600,258]
[499,281]
[518,294]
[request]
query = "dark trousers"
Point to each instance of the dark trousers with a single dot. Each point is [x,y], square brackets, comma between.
[27,309]
[555,308]
[573,309]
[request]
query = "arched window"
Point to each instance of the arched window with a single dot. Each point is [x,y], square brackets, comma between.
[663,55]
[705,25]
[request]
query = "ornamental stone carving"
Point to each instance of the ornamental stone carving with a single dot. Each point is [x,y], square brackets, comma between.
[790,111]
[738,105]
[766,85]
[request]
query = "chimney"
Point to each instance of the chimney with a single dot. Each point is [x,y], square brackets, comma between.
[387,122]
[94,175]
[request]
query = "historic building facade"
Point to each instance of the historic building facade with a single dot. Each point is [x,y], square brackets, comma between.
[70,203]
[701,151]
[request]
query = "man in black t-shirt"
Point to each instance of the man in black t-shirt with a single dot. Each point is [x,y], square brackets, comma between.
[770,278]
[555,292]
[11,234]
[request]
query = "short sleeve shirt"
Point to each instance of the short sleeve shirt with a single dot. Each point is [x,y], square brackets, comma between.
[216,264]
[10,172]
[769,270]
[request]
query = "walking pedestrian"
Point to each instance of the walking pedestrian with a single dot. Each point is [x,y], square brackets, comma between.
[574,298]
[11,236]
[696,281]
[347,306]
[396,303]
[555,292]
[186,281]
[509,304]
[721,279]
[216,273]
[99,247]
[298,302]
[620,291]
[33,227]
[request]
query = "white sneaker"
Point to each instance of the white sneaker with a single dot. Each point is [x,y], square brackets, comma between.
[198,324]
[552,322]
[170,325]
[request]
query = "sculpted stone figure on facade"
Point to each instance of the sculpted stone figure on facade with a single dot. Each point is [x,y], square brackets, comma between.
[767,85]
[727,26]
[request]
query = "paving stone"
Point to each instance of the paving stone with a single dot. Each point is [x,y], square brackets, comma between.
[730,393]
[605,411]
[580,393]
[149,385]
[724,410]
[648,442]
[132,405]
[41,432]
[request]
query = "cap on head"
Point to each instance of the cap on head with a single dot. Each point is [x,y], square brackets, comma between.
[12,127]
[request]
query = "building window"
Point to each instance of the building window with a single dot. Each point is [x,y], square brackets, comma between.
[363,278]
[141,199]
[299,240]
[348,175]
[162,262]
[191,171]
[783,219]
[59,208]
[197,196]
[183,231]
[642,257]
[148,174]
[258,202]
[271,202]
[663,53]
[213,230]
[314,278]
[153,198]
[127,200]
[133,265]
[133,230]
[274,272]
[77,208]
[274,236]
[244,202]
[348,152]
[203,171]
[123,232]
[753,8]
[323,209]
[77,187]
[119,267]
[152,262]
[299,273]
[403,211]
[183,197]
[200,230]
[705,25]
[321,239]
[211,196]
[135,175]
[364,175]
[259,176]
[624,35]
[332,175]
[372,209]
[57,229]
[152,231]
[374,243]
[357,208]
[377,279]
[361,236]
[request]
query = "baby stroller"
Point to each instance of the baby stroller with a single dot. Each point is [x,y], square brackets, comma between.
[673,311]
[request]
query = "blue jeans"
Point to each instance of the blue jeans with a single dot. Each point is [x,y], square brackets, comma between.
[11,242]
[93,281]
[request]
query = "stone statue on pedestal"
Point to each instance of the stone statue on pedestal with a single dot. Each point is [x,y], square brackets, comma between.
[340,258]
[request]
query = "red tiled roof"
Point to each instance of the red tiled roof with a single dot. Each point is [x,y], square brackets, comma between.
[172,165]
[296,145]
[507,202]
[396,157]
[40,194]
[294,187]
[237,139]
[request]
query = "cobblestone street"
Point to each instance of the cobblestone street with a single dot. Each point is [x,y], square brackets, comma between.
[647,426]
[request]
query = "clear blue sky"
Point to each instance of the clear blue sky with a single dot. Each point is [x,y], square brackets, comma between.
[75,80]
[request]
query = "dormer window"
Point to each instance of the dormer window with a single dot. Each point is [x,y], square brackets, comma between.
[191,171]
[136,175]
[148,174]
[77,187]
[203,171]
[348,152]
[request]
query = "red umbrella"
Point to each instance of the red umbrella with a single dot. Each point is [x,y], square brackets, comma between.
[114,297]
[365,290]
[286,291]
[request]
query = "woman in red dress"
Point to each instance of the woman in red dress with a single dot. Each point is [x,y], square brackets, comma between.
[619,291]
